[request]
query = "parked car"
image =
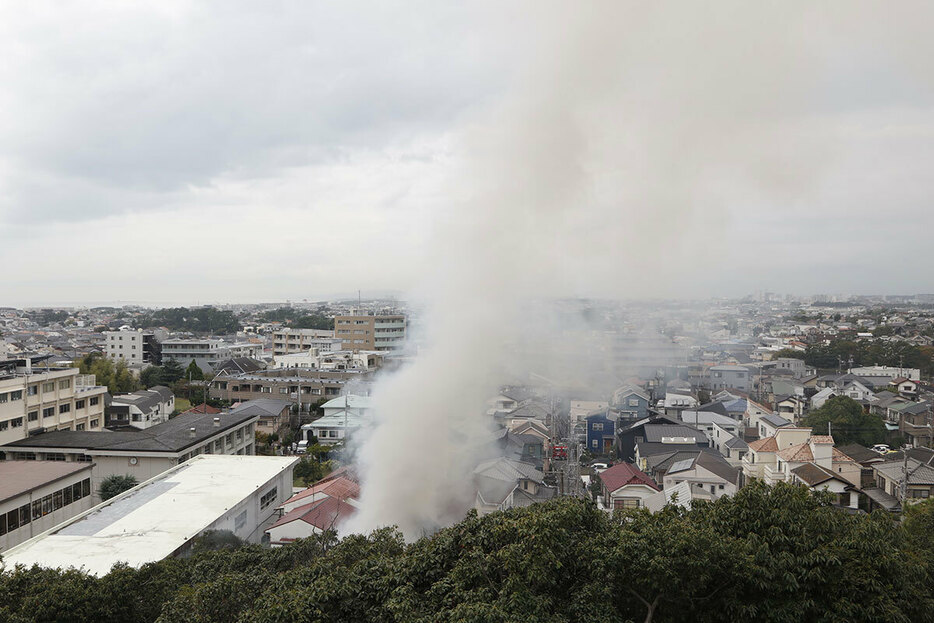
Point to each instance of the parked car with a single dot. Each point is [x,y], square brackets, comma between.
[599,467]
[302,447]
[881,448]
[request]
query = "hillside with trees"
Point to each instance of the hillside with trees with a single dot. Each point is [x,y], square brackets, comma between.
[771,555]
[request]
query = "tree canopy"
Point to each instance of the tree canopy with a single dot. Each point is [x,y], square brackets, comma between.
[115,375]
[115,484]
[195,319]
[775,555]
[849,423]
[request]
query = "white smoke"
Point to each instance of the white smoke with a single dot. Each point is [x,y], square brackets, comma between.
[635,131]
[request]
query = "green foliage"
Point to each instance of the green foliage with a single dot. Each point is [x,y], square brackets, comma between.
[869,353]
[115,375]
[298,319]
[196,320]
[848,422]
[789,353]
[194,372]
[115,484]
[153,375]
[172,371]
[774,555]
[311,468]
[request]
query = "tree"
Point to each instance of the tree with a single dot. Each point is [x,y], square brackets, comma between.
[115,484]
[151,376]
[788,353]
[172,371]
[194,372]
[848,422]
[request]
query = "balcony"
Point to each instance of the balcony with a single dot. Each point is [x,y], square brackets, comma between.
[773,474]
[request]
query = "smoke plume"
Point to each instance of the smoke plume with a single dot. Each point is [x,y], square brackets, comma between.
[632,134]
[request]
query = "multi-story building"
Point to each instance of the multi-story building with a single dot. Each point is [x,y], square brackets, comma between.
[138,348]
[206,352]
[287,341]
[141,409]
[34,400]
[364,332]
[143,454]
[295,385]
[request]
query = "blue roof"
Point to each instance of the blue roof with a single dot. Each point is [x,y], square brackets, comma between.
[736,406]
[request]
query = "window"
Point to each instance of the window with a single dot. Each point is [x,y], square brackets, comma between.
[4,397]
[86,487]
[4,425]
[595,443]
[54,456]
[268,498]
[33,416]
[626,503]
[79,404]
[95,423]
[65,408]
[48,412]
[79,427]
[64,384]
[597,426]
[283,390]
[240,521]
[82,458]
[32,390]
[633,402]
[17,395]
[12,520]
[95,400]
[57,500]
[48,387]
[16,422]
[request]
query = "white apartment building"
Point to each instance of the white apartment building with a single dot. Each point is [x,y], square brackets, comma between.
[206,352]
[34,400]
[136,347]
[288,341]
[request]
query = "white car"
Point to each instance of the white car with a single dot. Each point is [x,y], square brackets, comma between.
[598,467]
[881,448]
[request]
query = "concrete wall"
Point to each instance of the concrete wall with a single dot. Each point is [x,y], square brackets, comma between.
[47,521]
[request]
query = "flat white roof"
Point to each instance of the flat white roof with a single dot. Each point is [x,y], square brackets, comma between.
[153,519]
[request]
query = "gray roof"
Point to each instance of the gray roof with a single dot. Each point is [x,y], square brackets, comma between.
[172,436]
[736,443]
[508,470]
[263,407]
[655,433]
[145,399]
[775,420]
[918,472]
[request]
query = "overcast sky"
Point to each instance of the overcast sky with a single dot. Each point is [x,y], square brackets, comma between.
[180,152]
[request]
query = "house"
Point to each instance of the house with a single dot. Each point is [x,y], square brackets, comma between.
[866,458]
[353,404]
[890,479]
[505,483]
[627,434]
[677,495]
[730,377]
[761,456]
[631,402]
[818,399]
[705,421]
[675,403]
[601,436]
[665,438]
[140,409]
[309,519]
[625,486]
[274,415]
[342,488]
[791,407]
[239,365]
[819,478]
[917,423]
[769,425]
[754,411]
[709,476]
[333,429]
[160,517]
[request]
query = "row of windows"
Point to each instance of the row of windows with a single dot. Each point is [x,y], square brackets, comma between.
[268,498]
[26,513]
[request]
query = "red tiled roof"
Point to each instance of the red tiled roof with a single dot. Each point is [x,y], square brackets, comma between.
[822,439]
[340,488]
[623,474]
[323,514]
[766,444]
[800,453]
[345,471]
[203,408]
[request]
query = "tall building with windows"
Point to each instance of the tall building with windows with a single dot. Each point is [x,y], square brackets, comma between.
[136,347]
[35,400]
[365,332]
[287,341]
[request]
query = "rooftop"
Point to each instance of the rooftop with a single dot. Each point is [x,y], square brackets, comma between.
[171,436]
[19,477]
[154,519]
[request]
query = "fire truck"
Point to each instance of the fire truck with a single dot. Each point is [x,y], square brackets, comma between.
[559,452]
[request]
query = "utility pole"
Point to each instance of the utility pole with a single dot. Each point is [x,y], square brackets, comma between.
[904,477]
